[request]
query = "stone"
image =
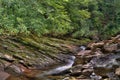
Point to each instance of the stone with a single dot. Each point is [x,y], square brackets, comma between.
[106,79]
[82,77]
[7,57]
[83,53]
[117,71]
[76,70]
[95,77]
[4,75]
[87,72]
[69,78]
[102,71]
[98,52]
[94,45]
[14,70]
[106,65]
[110,47]
[106,61]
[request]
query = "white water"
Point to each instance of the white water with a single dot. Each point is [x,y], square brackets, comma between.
[68,65]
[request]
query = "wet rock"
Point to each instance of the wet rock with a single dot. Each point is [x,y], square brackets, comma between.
[95,77]
[4,75]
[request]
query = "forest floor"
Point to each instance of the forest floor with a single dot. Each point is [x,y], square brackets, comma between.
[22,57]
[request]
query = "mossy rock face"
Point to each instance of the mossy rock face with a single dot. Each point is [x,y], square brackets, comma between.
[36,51]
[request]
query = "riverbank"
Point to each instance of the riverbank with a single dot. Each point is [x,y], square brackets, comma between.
[23,58]
[20,55]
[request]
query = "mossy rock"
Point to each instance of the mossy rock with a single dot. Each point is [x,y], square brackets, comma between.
[34,50]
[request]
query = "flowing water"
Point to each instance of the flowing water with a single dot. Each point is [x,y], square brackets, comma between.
[52,73]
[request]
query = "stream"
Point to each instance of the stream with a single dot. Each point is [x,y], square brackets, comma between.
[68,62]
[95,69]
[53,61]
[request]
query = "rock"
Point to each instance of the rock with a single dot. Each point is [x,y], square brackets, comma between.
[112,76]
[117,71]
[14,70]
[102,71]
[7,57]
[72,48]
[117,51]
[84,53]
[106,65]
[18,57]
[4,75]
[75,74]
[95,45]
[106,61]
[19,78]
[1,54]
[5,46]
[87,72]
[87,66]
[76,70]
[110,47]
[98,52]
[2,66]
[106,79]
[116,39]
[82,60]
[69,78]
[82,77]
[95,77]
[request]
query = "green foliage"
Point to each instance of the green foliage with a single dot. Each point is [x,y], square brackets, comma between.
[76,18]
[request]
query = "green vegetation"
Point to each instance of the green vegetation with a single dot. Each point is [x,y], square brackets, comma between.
[73,18]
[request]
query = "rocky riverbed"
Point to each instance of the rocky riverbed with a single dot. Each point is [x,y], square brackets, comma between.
[27,58]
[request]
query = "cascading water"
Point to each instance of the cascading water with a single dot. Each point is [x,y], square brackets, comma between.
[68,64]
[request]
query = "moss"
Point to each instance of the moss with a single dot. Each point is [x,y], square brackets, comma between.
[37,50]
